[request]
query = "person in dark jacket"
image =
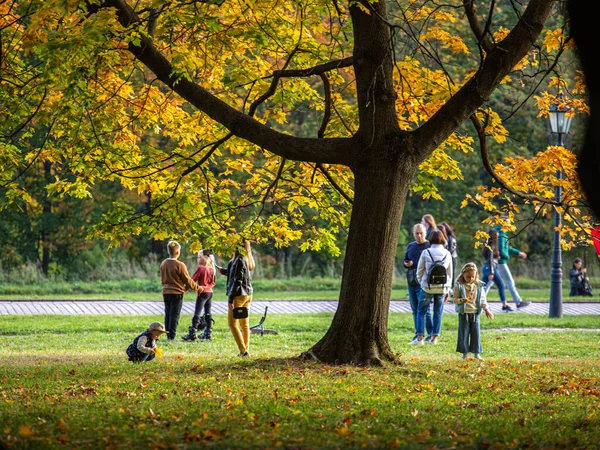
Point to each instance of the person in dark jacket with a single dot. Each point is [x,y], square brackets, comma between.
[239,295]
[491,255]
[411,259]
[580,284]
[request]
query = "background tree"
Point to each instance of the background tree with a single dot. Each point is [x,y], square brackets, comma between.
[391,82]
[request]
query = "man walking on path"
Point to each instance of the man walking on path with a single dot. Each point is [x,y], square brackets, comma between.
[505,251]
[411,259]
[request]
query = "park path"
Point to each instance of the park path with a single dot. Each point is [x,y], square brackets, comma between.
[95,307]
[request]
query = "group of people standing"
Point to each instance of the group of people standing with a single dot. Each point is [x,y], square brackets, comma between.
[176,281]
[433,245]
[434,251]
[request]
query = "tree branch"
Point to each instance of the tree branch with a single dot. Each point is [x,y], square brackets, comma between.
[327,112]
[333,151]
[316,70]
[336,186]
[497,64]
[479,33]
[489,169]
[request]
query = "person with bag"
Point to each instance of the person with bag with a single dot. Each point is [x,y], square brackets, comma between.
[580,283]
[239,297]
[205,277]
[491,254]
[469,301]
[410,261]
[435,272]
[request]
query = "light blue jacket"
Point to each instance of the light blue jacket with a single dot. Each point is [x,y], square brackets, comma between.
[462,293]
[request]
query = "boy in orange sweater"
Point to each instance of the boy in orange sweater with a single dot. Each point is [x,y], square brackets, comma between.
[175,281]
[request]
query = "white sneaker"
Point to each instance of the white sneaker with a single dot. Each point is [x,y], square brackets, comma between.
[416,341]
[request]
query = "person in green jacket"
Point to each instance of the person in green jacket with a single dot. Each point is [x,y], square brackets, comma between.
[505,251]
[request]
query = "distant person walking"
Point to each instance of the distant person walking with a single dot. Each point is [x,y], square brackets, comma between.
[435,272]
[410,262]
[175,281]
[470,300]
[450,246]
[429,223]
[239,295]
[491,255]
[505,251]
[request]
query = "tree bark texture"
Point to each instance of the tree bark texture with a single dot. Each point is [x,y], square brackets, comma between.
[358,333]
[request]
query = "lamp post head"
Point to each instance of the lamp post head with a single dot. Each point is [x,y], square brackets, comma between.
[558,117]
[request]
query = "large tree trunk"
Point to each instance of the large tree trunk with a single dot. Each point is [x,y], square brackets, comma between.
[358,333]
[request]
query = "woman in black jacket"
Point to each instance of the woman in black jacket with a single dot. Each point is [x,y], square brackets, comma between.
[239,296]
[580,284]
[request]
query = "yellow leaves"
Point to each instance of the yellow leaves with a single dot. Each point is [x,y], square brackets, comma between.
[500,34]
[553,40]
[158,352]
[448,40]
[25,430]
[536,176]
[494,126]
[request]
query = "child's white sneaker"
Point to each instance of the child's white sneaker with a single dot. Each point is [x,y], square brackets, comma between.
[416,341]
[478,356]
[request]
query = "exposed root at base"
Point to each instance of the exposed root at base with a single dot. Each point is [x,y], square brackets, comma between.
[309,356]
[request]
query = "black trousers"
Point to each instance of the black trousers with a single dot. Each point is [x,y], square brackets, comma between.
[173,304]
[203,301]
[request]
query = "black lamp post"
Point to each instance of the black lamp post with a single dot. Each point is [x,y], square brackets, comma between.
[559,122]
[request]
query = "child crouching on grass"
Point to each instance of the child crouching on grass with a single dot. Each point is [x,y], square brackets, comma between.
[469,300]
[144,347]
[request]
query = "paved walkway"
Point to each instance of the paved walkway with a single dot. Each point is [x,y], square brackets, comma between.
[74,307]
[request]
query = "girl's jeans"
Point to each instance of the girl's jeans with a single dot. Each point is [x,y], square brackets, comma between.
[469,339]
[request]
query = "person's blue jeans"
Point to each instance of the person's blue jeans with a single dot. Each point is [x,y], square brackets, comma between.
[509,282]
[469,337]
[497,281]
[414,292]
[423,309]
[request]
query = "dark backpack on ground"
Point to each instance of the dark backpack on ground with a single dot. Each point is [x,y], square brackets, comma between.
[437,274]
[587,289]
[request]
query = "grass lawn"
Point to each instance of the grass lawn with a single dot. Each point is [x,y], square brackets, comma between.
[65,383]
